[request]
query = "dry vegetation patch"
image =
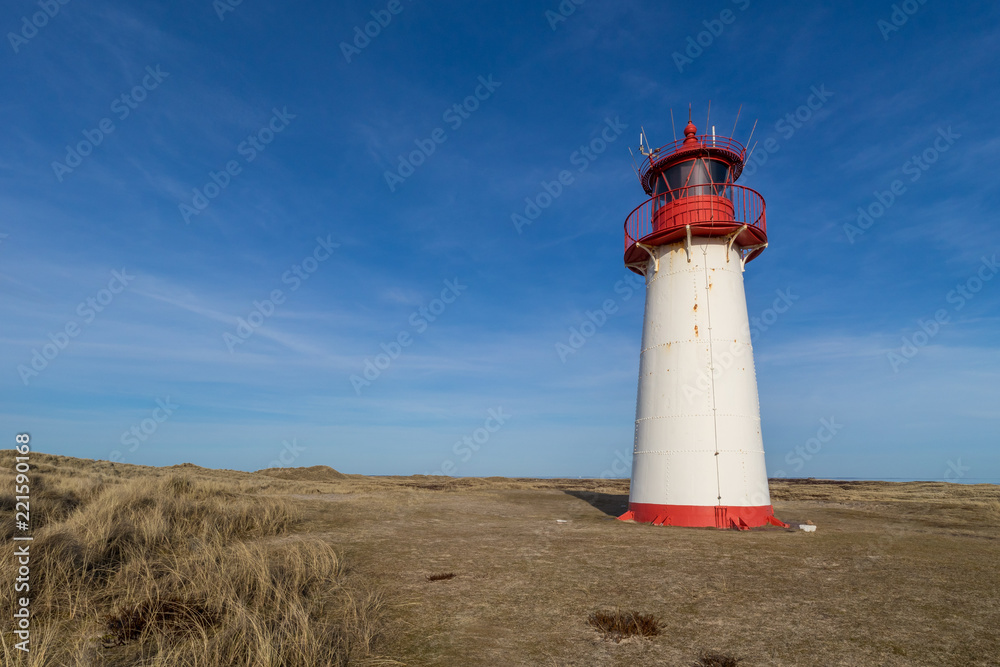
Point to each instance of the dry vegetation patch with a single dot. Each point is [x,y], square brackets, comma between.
[181,569]
[712,659]
[617,625]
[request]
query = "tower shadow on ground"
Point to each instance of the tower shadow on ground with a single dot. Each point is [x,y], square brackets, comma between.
[612,504]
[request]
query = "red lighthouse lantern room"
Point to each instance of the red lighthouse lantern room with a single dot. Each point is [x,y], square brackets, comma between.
[691,183]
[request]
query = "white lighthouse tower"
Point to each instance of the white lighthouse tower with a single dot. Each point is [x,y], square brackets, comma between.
[699,456]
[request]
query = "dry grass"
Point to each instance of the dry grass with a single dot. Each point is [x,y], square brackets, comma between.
[180,569]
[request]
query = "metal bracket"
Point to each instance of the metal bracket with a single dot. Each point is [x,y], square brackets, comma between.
[641,266]
[748,250]
[732,239]
[687,245]
[649,251]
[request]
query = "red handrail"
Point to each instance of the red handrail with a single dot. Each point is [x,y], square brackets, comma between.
[747,209]
[703,141]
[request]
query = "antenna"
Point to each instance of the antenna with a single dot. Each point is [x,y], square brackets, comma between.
[751,132]
[751,152]
[737,120]
[672,128]
[635,167]
[709,114]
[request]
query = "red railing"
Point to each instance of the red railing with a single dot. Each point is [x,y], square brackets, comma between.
[702,206]
[704,141]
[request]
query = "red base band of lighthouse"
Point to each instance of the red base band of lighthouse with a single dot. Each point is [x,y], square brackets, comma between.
[701,516]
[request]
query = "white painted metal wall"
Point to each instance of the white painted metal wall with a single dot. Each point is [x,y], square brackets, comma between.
[697,427]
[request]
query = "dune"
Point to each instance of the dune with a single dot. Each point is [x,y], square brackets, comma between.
[310,474]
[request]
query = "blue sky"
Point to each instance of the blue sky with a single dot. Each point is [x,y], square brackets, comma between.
[300,132]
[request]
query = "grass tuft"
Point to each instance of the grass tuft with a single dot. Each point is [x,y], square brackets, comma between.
[165,617]
[441,577]
[711,659]
[617,625]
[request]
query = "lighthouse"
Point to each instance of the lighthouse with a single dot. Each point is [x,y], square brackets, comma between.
[698,458]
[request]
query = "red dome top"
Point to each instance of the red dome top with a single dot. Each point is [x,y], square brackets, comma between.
[689,134]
